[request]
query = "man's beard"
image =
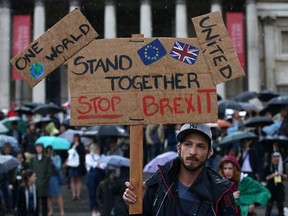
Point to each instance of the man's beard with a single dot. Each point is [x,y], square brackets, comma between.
[191,168]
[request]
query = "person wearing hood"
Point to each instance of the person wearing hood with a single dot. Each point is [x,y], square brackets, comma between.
[185,186]
[247,192]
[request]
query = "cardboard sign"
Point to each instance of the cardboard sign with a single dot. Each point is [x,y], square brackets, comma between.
[152,80]
[159,80]
[54,47]
[217,47]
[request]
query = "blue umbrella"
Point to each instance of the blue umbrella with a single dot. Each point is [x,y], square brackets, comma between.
[56,143]
[8,139]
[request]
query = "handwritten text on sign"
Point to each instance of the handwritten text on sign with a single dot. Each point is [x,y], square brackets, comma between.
[158,80]
[54,47]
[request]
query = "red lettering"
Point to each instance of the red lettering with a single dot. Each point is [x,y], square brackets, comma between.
[80,101]
[190,106]
[102,104]
[152,105]
[114,101]
[199,104]
[94,103]
[208,98]
[176,105]
[164,103]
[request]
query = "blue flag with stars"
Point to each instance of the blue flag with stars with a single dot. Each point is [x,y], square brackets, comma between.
[152,52]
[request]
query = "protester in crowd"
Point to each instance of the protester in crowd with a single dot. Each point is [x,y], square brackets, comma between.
[41,165]
[155,137]
[28,142]
[249,159]
[273,129]
[14,132]
[243,187]
[170,135]
[27,202]
[274,175]
[105,196]
[7,180]
[118,188]
[23,165]
[54,189]
[76,173]
[184,186]
[113,147]
[95,174]
[283,130]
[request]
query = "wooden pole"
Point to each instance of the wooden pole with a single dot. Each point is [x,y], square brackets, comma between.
[136,166]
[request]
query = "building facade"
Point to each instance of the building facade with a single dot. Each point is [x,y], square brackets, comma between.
[259,30]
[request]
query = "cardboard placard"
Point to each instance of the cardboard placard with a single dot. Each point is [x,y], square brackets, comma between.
[54,47]
[217,47]
[158,80]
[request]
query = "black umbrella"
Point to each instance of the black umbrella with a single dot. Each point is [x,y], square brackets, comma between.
[47,109]
[275,105]
[112,130]
[258,120]
[275,139]
[227,104]
[32,105]
[8,162]
[246,96]
[248,106]
[267,95]
[23,110]
[236,136]
[38,122]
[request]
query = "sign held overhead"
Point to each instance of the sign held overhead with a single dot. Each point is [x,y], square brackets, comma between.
[54,47]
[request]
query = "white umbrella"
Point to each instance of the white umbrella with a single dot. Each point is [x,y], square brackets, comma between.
[69,134]
[8,162]
[161,159]
[115,160]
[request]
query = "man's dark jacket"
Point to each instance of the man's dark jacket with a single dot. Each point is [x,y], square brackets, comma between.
[212,190]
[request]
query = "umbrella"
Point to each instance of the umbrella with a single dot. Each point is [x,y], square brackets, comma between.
[227,104]
[32,105]
[267,95]
[258,120]
[47,109]
[23,110]
[236,136]
[248,106]
[69,134]
[275,139]
[275,104]
[8,139]
[3,129]
[115,160]
[106,130]
[21,125]
[8,162]
[246,96]
[161,159]
[39,121]
[56,142]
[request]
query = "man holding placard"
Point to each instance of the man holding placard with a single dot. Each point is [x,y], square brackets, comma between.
[184,186]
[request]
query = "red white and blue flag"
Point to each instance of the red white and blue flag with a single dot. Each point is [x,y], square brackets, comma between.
[184,52]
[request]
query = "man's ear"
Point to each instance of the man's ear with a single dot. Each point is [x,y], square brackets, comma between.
[178,148]
[210,153]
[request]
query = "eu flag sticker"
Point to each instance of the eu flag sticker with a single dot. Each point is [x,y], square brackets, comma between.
[152,52]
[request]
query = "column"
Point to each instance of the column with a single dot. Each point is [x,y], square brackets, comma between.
[146,18]
[110,19]
[74,4]
[181,19]
[5,28]
[269,52]
[216,6]
[38,92]
[253,59]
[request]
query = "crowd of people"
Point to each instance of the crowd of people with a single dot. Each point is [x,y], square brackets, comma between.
[254,161]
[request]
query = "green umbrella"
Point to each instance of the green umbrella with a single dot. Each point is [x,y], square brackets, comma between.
[236,136]
[21,125]
[56,143]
